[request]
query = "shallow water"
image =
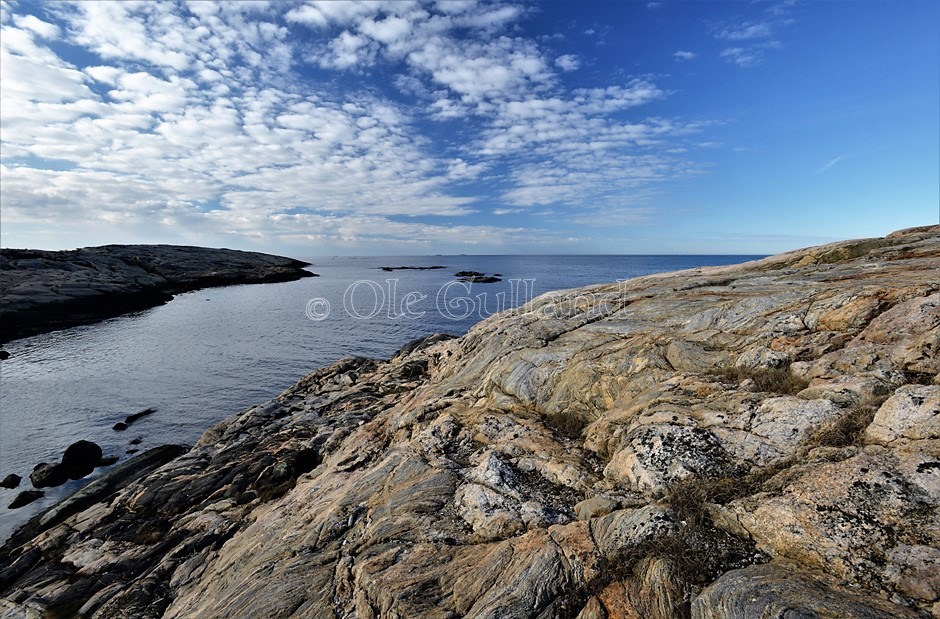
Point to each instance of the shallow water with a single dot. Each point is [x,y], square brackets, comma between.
[211,353]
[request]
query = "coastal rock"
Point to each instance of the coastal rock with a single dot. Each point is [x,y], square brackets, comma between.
[25,498]
[80,459]
[48,290]
[10,481]
[48,475]
[749,440]
[777,591]
[912,413]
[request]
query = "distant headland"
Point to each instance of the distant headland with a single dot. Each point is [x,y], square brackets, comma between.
[42,291]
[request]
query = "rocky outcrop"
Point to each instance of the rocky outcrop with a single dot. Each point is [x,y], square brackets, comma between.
[744,441]
[46,290]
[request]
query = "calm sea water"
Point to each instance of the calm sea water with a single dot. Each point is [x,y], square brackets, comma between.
[211,353]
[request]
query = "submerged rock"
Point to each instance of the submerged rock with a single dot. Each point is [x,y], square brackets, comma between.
[741,441]
[25,498]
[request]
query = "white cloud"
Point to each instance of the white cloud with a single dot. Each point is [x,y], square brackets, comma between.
[35,25]
[568,62]
[745,31]
[683,56]
[748,56]
[194,116]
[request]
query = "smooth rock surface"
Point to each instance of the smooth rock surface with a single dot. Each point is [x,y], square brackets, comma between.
[628,450]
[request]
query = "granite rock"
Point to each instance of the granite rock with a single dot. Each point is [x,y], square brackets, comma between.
[590,454]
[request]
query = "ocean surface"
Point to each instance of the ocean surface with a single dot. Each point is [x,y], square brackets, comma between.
[209,354]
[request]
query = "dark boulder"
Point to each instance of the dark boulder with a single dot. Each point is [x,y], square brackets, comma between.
[108,460]
[81,458]
[48,475]
[4,355]
[10,481]
[25,498]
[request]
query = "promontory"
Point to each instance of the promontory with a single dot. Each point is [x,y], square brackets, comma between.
[758,440]
[42,291]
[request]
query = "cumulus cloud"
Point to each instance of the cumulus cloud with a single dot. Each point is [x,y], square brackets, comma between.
[568,62]
[683,56]
[205,117]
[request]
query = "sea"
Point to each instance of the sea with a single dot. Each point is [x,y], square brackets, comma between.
[209,354]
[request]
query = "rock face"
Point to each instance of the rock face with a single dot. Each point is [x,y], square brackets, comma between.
[46,290]
[747,441]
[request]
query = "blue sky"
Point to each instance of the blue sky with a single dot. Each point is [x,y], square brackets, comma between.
[312,128]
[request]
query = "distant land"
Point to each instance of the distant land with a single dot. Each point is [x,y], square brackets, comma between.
[42,291]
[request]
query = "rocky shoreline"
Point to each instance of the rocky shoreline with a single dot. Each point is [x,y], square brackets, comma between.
[745,441]
[42,291]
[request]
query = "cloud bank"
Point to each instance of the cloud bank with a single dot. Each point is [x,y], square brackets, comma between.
[349,123]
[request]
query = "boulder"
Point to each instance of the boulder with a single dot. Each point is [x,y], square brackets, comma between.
[81,458]
[10,481]
[777,591]
[912,413]
[48,475]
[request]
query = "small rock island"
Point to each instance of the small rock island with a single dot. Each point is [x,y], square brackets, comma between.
[42,291]
[757,440]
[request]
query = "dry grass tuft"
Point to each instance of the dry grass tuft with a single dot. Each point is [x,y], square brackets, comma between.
[773,380]
[851,426]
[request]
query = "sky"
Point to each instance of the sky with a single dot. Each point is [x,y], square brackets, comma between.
[468,126]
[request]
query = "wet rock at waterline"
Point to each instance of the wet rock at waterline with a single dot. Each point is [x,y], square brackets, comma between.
[123,425]
[25,498]
[48,475]
[81,458]
[10,481]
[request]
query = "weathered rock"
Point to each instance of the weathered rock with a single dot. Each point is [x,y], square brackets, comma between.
[25,498]
[80,459]
[872,519]
[10,481]
[48,290]
[594,507]
[613,451]
[912,413]
[776,591]
[48,475]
